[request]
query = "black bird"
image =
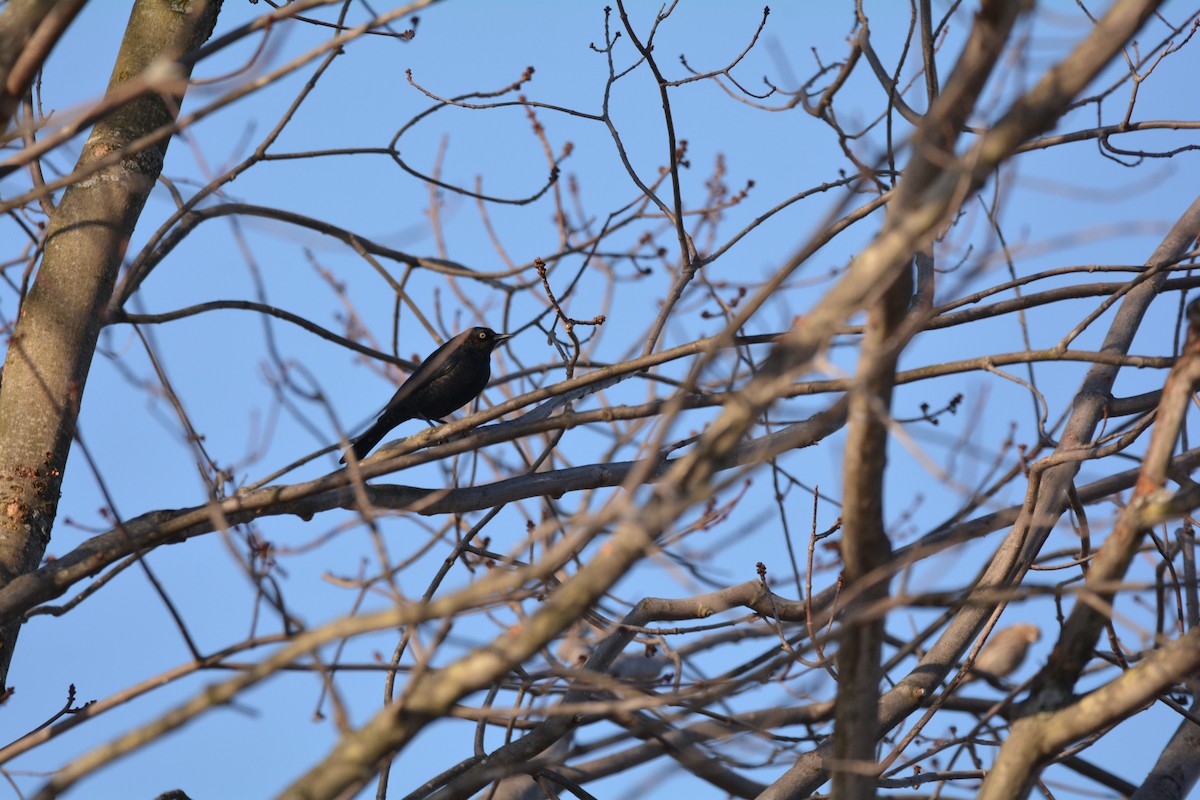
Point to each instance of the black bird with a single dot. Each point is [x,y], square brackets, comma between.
[446,381]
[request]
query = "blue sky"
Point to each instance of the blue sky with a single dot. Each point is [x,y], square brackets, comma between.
[1064,206]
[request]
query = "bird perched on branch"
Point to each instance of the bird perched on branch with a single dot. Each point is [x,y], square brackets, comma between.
[1004,652]
[446,381]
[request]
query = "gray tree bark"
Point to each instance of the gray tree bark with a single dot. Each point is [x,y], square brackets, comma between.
[58,324]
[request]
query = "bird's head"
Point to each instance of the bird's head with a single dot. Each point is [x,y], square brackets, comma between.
[485,339]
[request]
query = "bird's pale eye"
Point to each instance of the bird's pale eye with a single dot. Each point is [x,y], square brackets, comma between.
[482,335]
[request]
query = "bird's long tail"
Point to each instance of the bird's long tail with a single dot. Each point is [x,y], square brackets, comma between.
[365,443]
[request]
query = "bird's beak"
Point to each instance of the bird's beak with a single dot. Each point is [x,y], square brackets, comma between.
[500,337]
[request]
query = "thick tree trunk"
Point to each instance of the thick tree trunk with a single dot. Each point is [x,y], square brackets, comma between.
[59,322]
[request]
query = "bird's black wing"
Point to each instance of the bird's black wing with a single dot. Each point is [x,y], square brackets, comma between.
[429,370]
[395,412]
